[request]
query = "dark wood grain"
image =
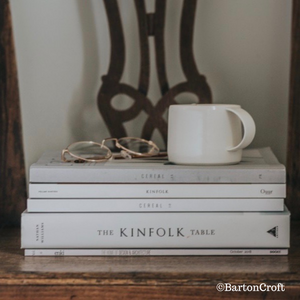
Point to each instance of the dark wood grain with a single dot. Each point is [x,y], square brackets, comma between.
[134,293]
[197,82]
[293,151]
[144,30]
[149,24]
[142,277]
[159,40]
[12,170]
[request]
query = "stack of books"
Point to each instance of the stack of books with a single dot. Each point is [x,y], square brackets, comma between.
[153,207]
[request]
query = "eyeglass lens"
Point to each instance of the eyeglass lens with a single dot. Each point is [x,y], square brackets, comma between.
[88,150]
[137,145]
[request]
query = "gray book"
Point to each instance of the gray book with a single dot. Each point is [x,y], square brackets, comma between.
[156,230]
[153,252]
[257,166]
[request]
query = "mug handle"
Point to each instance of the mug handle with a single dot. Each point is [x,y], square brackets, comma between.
[249,128]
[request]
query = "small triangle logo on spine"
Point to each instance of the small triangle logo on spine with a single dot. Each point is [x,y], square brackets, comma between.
[274,231]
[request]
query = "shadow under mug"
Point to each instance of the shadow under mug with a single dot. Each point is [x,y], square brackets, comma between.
[208,134]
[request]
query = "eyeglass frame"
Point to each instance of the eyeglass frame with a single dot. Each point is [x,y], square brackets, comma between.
[80,158]
[109,154]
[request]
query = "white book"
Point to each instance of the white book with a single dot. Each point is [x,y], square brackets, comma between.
[152,252]
[155,205]
[65,190]
[257,166]
[156,230]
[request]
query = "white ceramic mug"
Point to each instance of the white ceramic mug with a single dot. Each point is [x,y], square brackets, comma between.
[208,134]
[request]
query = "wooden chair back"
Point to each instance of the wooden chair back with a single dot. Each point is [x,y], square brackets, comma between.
[149,24]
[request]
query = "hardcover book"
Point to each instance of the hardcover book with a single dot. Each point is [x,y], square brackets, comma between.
[156,230]
[155,205]
[152,252]
[257,166]
[166,190]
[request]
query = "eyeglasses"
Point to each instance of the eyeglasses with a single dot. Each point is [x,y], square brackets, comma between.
[89,151]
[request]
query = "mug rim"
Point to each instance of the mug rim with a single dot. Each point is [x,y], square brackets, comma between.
[205,105]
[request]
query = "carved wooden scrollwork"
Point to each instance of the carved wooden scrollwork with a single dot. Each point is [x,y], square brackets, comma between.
[151,24]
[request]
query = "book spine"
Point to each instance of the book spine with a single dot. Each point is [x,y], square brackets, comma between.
[154,205]
[49,174]
[157,190]
[155,230]
[152,252]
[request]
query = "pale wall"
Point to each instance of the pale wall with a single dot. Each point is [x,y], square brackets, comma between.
[242,46]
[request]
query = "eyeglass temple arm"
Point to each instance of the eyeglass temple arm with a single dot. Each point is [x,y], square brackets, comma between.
[63,152]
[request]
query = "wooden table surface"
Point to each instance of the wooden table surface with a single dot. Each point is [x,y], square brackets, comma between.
[143,277]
